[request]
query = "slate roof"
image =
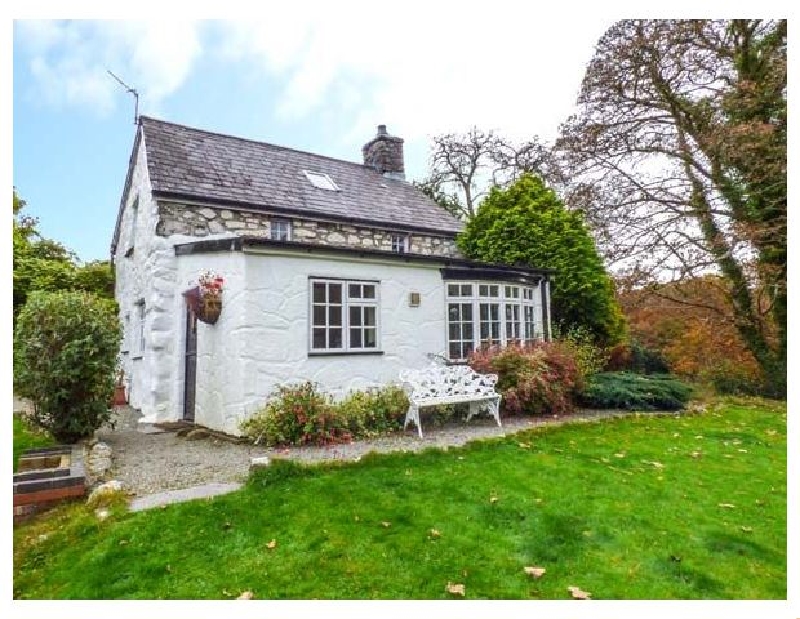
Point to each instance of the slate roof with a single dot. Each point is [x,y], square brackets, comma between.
[184,162]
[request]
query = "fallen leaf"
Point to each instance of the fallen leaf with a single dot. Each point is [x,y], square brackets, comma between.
[619,455]
[728,505]
[455,589]
[435,533]
[747,529]
[493,499]
[658,465]
[227,594]
[536,572]
[386,524]
[727,456]
[577,594]
[246,595]
[358,518]
[605,460]
[744,451]
[524,445]
[696,454]
[122,542]
[272,544]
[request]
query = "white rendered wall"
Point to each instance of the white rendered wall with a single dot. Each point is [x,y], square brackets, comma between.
[261,339]
[154,375]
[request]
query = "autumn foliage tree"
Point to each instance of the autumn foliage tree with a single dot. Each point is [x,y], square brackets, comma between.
[679,155]
[698,336]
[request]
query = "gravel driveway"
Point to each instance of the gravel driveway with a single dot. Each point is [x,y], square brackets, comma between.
[148,463]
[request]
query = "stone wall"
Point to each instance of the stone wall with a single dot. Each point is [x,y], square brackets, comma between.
[200,221]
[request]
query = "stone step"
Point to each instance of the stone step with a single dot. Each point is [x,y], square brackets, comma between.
[178,496]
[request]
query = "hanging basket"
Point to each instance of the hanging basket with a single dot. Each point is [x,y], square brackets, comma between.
[209,308]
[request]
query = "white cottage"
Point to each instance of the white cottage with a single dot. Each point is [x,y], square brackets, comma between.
[336,272]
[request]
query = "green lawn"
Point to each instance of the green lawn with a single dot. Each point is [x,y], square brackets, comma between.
[684,507]
[26,438]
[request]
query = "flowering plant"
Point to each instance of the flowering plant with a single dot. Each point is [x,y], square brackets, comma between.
[210,283]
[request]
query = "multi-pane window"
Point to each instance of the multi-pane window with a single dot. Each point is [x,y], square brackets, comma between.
[280,230]
[399,243]
[485,314]
[344,315]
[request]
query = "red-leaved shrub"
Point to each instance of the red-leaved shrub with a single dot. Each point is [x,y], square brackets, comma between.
[536,379]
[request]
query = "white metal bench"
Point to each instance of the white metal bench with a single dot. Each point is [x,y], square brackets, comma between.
[437,385]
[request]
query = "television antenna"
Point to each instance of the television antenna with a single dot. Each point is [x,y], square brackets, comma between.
[135,94]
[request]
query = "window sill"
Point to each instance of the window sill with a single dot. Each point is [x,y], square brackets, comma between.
[137,357]
[344,353]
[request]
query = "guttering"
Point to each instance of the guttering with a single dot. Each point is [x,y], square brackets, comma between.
[451,268]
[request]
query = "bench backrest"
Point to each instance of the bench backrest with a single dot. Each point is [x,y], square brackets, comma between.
[451,381]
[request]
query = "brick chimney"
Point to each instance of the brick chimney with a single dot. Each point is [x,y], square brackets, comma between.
[384,153]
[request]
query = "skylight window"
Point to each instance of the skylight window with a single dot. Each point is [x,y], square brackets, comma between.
[321,181]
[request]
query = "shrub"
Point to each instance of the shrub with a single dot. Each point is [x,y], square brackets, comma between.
[731,378]
[65,357]
[297,415]
[535,379]
[589,357]
[638,358]
[627,391]
[375,411]
[300,415]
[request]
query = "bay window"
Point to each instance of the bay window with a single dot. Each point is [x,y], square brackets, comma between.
[484,314]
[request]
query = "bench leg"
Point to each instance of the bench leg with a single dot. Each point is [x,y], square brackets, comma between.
[494,407]
[474,409]
[413,415]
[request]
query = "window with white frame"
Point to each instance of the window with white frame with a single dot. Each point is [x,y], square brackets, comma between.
[344,316]
[138,334]
[400,243]
[484,314]
[280,230]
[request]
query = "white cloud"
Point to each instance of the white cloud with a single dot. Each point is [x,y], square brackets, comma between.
[69,59]
[428,73]
[421,72]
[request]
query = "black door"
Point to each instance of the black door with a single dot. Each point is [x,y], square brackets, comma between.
[190,365]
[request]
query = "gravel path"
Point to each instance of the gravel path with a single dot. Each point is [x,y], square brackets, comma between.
[148,463]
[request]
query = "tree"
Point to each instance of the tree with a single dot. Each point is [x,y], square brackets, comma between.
[96,277]
[38,263]
[527,223]
[469,164]
[679,149]
[44,264]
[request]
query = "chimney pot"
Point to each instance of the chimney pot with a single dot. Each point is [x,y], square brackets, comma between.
[382,130]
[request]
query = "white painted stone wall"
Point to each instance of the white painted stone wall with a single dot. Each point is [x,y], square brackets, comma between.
[261,339]
[150,274]
[221,347]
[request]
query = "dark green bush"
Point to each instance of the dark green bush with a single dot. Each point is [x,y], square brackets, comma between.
[638,358]
[628,391]
[300,415]
[65,356]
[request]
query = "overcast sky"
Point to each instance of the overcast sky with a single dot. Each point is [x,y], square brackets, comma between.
[314,79]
